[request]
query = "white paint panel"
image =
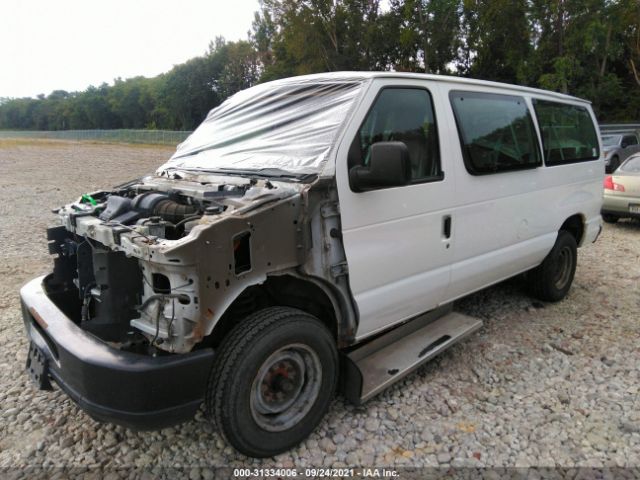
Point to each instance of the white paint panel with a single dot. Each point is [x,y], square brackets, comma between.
[478,271]
[399,262]
[401,299]
[395,249]
[502,224]
[506,223]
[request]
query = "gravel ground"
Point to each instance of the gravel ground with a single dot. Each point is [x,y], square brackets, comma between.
[539,385]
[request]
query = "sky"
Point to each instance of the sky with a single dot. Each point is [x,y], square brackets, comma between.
[48,45]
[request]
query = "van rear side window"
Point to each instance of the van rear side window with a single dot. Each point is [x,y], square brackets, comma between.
[568,134]
[496,132]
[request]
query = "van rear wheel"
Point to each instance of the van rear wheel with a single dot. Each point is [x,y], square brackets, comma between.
[552,279]
[273,380]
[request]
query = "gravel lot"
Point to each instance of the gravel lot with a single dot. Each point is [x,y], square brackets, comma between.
[539,385]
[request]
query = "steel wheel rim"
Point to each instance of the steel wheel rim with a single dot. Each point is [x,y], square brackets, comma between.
[285,387]
[565,264]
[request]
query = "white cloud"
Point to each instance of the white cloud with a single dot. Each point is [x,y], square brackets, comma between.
[70,44]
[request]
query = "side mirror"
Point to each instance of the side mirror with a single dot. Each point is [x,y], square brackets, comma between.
[389,166]
[624,145]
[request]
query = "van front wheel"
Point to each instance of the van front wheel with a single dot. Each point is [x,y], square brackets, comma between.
[273,380]
[552,279]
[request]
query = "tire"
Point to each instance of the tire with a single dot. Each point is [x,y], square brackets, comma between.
[551,280]
[609,218]
[257,396]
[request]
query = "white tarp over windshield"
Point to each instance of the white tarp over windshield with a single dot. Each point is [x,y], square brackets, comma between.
[289,125]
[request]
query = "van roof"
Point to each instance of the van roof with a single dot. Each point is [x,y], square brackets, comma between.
[425,76]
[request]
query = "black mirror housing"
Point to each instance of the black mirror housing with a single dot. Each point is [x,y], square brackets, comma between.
[389,166]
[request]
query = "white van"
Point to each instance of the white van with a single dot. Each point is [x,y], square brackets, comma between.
[312,232]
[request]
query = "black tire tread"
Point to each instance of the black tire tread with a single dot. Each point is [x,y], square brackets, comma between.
[538,278]
[234,345]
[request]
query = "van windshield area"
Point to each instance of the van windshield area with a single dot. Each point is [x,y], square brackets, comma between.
[288,127]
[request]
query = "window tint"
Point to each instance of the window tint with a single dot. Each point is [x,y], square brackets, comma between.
[496,132]
[568,134]
[401,115]
[630,140]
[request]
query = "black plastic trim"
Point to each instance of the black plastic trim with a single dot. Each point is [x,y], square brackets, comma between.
[134,390]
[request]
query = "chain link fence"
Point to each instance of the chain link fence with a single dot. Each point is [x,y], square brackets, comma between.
[155,137]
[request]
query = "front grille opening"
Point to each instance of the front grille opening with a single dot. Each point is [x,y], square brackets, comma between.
[242,252]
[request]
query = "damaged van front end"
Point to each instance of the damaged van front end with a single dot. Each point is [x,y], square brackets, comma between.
[151,276]
[148,269]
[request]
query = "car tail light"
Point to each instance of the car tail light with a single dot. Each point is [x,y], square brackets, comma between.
[609,184]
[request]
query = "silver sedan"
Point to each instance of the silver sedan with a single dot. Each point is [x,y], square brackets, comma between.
[622,191]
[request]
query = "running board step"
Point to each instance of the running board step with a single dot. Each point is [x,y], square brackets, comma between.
[378,364]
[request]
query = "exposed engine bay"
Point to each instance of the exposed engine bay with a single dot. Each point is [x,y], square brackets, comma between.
[143,268]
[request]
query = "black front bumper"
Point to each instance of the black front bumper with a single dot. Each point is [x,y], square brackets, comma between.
[137,391]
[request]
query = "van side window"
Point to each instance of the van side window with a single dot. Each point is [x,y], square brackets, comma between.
[402,115]
[568,133]
[496,132]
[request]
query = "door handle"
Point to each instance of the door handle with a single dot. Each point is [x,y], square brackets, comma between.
[446,226]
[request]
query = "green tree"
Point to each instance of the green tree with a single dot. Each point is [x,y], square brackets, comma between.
[580,48]
[496,43]
[309,36]
[429,33]
[588,48]
[241,68]
[263,30]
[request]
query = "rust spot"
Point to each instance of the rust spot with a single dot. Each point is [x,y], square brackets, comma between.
[197,332]
[36,316]
[198,329]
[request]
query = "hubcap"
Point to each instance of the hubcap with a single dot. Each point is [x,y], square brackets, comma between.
[564,267]
[285,387]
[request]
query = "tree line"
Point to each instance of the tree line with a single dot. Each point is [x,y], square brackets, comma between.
[587,48]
